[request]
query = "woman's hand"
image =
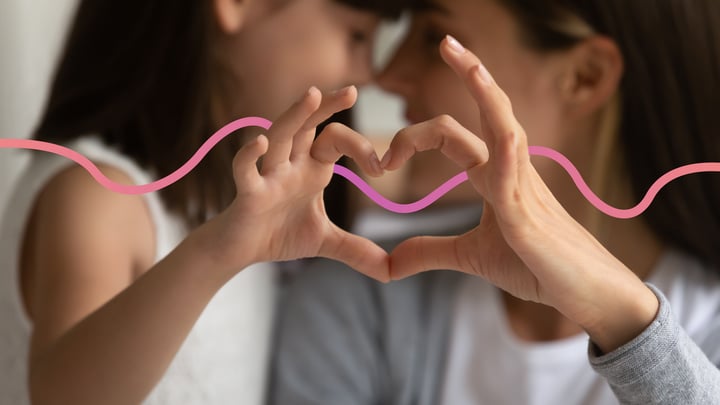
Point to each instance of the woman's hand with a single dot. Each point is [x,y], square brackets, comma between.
[526,243]
[278,213]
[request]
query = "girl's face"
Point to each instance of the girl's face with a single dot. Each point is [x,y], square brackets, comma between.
[530,78]
[284,47]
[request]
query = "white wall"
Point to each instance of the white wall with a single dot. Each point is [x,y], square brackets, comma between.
[379,113]
[31,32]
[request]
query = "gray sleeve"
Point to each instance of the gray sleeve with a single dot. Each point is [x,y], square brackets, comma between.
[663,365]
[327,343]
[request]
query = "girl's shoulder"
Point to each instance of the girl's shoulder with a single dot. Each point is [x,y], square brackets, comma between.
[55,196]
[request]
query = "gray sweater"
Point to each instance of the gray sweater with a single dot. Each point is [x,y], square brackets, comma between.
[345,339]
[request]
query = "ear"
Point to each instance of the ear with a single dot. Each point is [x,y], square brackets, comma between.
[594,71]
[230,14]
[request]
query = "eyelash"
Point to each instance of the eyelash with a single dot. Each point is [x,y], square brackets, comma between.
[358,37]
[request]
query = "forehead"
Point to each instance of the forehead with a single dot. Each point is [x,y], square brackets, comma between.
[475,16]
[461,9]
[319,13]
[385,8]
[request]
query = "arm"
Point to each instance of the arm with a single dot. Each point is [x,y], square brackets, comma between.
[96,341]
[78,259]
[660,366]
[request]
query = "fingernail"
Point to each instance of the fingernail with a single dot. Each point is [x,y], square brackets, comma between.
[484,75]
[386,159]
[455,45]
[310,91]
[375,163]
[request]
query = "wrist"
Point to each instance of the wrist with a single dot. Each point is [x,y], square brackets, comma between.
[211,252]
[624,311]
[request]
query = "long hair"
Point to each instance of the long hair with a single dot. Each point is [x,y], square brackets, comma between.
[669,99]
[137,74]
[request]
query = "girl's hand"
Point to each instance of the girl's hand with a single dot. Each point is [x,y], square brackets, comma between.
[526,243]
[278,213]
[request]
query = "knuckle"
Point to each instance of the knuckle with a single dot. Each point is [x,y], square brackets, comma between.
[505,99]
[445,124]
[335,127]
[332,131]
[403,134]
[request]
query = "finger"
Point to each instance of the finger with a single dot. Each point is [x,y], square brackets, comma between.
[443,133]
[285,128]
[337,140]
[424,253]
[505,136]
[331,104]
[357,252]
[494,105]
[245,170]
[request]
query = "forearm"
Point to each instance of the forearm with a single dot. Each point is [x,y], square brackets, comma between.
[118,353]
[662,365]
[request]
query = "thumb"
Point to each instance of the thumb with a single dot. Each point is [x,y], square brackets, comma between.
[357,252]
[423,253]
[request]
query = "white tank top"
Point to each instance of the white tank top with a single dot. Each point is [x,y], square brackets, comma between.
[223,360]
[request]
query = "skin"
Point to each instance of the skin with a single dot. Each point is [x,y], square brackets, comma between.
[540,241]
[89,278]
[270,57]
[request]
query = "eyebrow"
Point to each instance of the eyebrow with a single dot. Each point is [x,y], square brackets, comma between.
[430,6]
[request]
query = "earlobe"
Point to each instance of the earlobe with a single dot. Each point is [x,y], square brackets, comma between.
[230,14]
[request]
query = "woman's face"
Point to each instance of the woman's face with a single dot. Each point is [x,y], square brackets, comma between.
[530,78]
[284,49]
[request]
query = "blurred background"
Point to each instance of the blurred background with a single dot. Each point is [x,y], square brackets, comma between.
[31,33]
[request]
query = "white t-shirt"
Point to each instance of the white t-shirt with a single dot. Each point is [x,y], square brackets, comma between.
[223,360]
[488,364]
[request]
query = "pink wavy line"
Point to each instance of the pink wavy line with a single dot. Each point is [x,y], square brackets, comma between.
[393,206]
[423,203]
[709,167]
[144,188]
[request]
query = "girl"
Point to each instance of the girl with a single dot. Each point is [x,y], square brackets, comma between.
[622,89]
[108,298]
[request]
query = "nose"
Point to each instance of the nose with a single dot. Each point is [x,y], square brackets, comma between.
[362,75]
[398,76]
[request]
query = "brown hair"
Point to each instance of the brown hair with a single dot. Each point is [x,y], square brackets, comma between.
[136,73]
[668,97]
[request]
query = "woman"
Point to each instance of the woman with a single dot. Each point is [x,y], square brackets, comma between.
[584,80]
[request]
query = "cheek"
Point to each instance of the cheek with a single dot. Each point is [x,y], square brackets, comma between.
[315,61]
[274,76]
[534,102]
[443,93]
[539,116]
[326,64]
